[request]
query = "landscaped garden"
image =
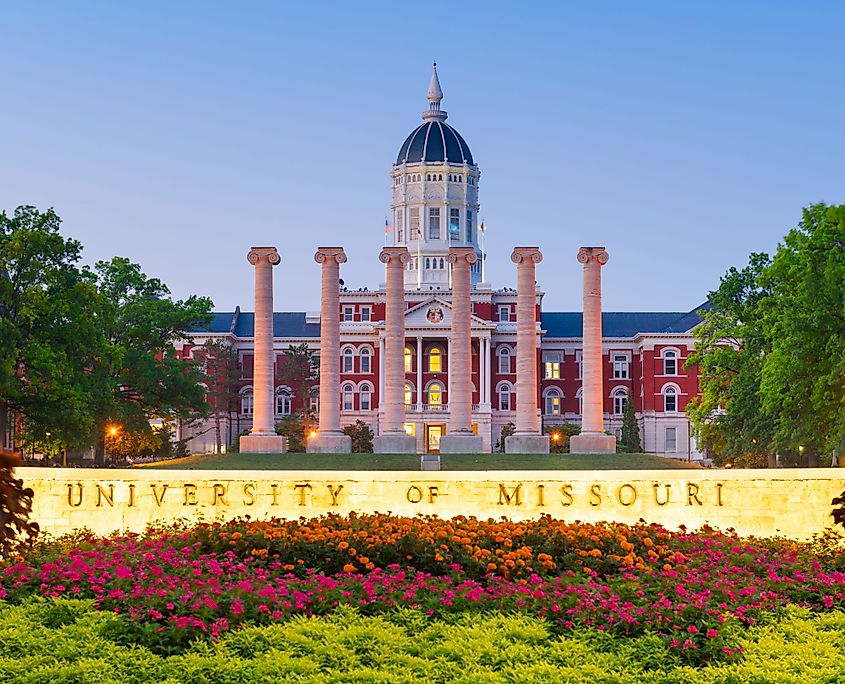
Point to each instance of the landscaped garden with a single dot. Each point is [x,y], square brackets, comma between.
[383,598]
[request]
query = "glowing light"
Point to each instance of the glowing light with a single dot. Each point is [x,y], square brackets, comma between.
[312,434]
[555,436]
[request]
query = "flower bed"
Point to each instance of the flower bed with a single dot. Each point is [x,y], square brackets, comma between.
[695,590]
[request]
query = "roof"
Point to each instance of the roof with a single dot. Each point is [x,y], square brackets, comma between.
[434,141]
[555,323]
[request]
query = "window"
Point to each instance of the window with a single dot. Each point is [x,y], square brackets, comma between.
[435,394]
[435,360]
[670,362]
[414,223]
[551,363]
[348,313]
[366,395]
[348,361]
[580,396]
[505,397]
[579,358]
[504,360]
[409,394]
[505,314]
[620,366]
[469,225]
[670,399]
[434,223]
[400,225]
[366,313]
[282,403]
[409,360]
[442,264]
[620,396]
[348,398]
[314,404]
[246,403]
[454,224]
[670,439]
[553,403]
[365,360]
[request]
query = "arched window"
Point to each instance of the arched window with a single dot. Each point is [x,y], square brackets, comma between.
[670,362]
[620,396]
[435,394]
[505,397]
[580,396]
[670,399]
[348,398]
[246,402]
[553,404]
[348,360]
[427,263]
[435,360]
[282,402]
[442,264]
[409,394]
[409,360]
[365,360]
[366,397]
[504,360]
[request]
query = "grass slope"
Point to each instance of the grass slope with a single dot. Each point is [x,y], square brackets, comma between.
[411,462]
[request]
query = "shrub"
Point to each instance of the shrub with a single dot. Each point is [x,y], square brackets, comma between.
[15,506]
[362,437]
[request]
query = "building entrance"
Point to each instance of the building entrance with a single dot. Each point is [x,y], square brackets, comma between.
[433,433]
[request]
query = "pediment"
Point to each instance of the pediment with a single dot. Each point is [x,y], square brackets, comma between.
[436,313]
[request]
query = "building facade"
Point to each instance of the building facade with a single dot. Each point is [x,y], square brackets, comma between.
[435,206]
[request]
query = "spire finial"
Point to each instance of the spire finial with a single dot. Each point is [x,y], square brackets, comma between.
[435,94]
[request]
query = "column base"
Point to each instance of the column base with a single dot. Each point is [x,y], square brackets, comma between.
[527,444]
[461,444]
[394,443]
[430,461]
[592,443]
[329,443]
[262,444]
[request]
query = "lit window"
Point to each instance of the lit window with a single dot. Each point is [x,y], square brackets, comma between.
[670,399]
[434,223]
[670,439]
[504,360]
[505,314]
[551,364]
[505,398]
[553,403]
[670,362]
[454,225]
[620,396]
[246,403]
[348,361]
[366,394]
[282,403]
[409,394]
[620,366]
[348,313]
[365,313]
[435,394]
[348,398]
[365,360]
[409,360]
[435,360]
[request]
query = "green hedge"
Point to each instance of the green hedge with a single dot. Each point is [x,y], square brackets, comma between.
[59,640]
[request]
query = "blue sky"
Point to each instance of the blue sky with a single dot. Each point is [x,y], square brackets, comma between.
[682,136]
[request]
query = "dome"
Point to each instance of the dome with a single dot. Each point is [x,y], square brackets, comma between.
[435,141]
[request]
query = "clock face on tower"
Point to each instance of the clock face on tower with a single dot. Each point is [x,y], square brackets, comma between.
[435,314]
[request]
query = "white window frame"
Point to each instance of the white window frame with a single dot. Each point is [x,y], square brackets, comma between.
[439,355]
[365,391]
[440,391]
[670,390]
[551,364]
[504,313]
[408,360]
[365,355]
[579,359]
[548,402]
[505,390]
[673,355]
[366,314]
[434,231]
[621,366]
[505,356]
[347,355]
[347,394]
[247,401]
[674,432]
[348,314]
[619,396]
[284,396]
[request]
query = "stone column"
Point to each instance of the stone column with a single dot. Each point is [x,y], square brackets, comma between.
[459,438]
[329,439]
[392,438]
[262,438]
[592,439]
[527,438]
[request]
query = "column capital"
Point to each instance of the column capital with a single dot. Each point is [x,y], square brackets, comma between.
[462,256]
[523,254]
[592,255]
[395,255]
[268,254]
[325,254]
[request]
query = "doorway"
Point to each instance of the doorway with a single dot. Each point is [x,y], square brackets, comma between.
[433,433]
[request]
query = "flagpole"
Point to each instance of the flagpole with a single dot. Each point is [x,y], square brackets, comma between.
[419,259]
[482,230]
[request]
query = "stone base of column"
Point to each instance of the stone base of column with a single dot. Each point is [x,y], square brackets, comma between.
[461,444]
[527,444]
[592,443]
[261,444]
[329,443]
[395,443]
[430,462]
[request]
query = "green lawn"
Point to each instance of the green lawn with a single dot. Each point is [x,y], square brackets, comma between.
[412,462]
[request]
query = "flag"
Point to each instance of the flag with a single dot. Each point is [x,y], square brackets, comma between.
[481,227]
[386,225]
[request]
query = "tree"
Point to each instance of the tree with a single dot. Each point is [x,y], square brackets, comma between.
[48,329]
[133,443]
[362,437]
[222,375]
[299,371]
[630,429]
[138,376]
[15,506]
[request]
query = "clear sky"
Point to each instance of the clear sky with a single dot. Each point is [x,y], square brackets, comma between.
[680,135]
